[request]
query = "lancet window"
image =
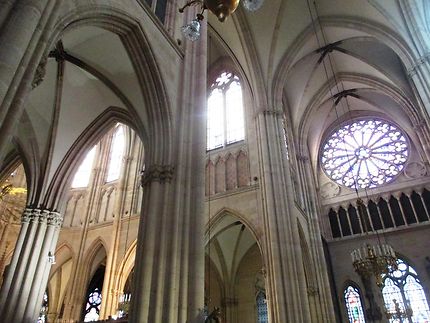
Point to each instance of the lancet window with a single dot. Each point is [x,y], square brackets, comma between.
[262,308]
[82,176]
[116,154]
[354,308]
[225,119]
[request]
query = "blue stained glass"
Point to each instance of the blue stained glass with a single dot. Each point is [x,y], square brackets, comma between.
[262,308]
[353,305]
[364,153]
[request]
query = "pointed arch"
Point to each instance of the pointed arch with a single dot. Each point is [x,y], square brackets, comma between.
[383,34]
[157,136]
[126,266]
[307,259]
[224,211]
[56,193]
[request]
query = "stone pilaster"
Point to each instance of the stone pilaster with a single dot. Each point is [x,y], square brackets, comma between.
[23,288]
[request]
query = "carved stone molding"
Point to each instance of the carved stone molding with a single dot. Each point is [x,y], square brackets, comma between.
[42,216]
[157,173]
[55,219]
[270,112]
[329,190]
[415,170]
[423,59]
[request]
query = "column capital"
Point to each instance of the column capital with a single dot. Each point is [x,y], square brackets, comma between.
[42,216]
[54,218]
[420,61]
[157,173]
[270,112]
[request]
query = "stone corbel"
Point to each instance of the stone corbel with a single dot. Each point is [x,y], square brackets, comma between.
[157,173]
[40,73]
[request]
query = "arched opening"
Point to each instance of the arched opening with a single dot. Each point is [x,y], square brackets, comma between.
[234,274]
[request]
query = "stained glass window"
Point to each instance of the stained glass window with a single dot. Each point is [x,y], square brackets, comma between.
[92,309]
[93,301]
[402,287]
[116,154]
[353,305]
[225,123]
[82,176]
[365,153]
[261,308]
[44,309]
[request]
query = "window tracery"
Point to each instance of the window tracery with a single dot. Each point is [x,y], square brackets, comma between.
[354,307]
[403,287]
[365,153]
[225,120]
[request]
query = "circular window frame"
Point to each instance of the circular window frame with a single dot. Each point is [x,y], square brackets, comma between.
[337,126]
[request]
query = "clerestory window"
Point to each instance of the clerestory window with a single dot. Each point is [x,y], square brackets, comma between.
[116,154]
[82,176]
[225,123]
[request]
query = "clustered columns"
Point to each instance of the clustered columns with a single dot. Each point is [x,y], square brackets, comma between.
[284,261]
[26,278]
[151,285]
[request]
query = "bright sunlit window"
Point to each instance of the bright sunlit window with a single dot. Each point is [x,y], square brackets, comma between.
[225,123]
[82,176]
[116,154]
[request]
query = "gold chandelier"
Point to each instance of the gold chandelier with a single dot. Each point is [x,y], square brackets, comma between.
[220,8]
[372,260]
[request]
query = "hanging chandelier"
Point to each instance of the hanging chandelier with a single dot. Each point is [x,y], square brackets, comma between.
[372,260]
[220,8]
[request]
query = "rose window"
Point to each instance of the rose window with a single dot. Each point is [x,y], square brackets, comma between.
[365,153]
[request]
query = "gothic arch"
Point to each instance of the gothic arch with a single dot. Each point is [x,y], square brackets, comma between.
[126,266]
[56,193]
[137,45]
[382,34]
[218,216]
[88,264]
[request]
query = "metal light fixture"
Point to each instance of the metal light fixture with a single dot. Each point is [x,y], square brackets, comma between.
[220,8]
[372,260]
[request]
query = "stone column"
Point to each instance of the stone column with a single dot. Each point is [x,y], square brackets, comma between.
[169,272]
[23,35]
[22,291]
[281,242]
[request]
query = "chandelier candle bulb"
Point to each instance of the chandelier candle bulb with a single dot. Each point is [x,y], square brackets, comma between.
[374,260]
